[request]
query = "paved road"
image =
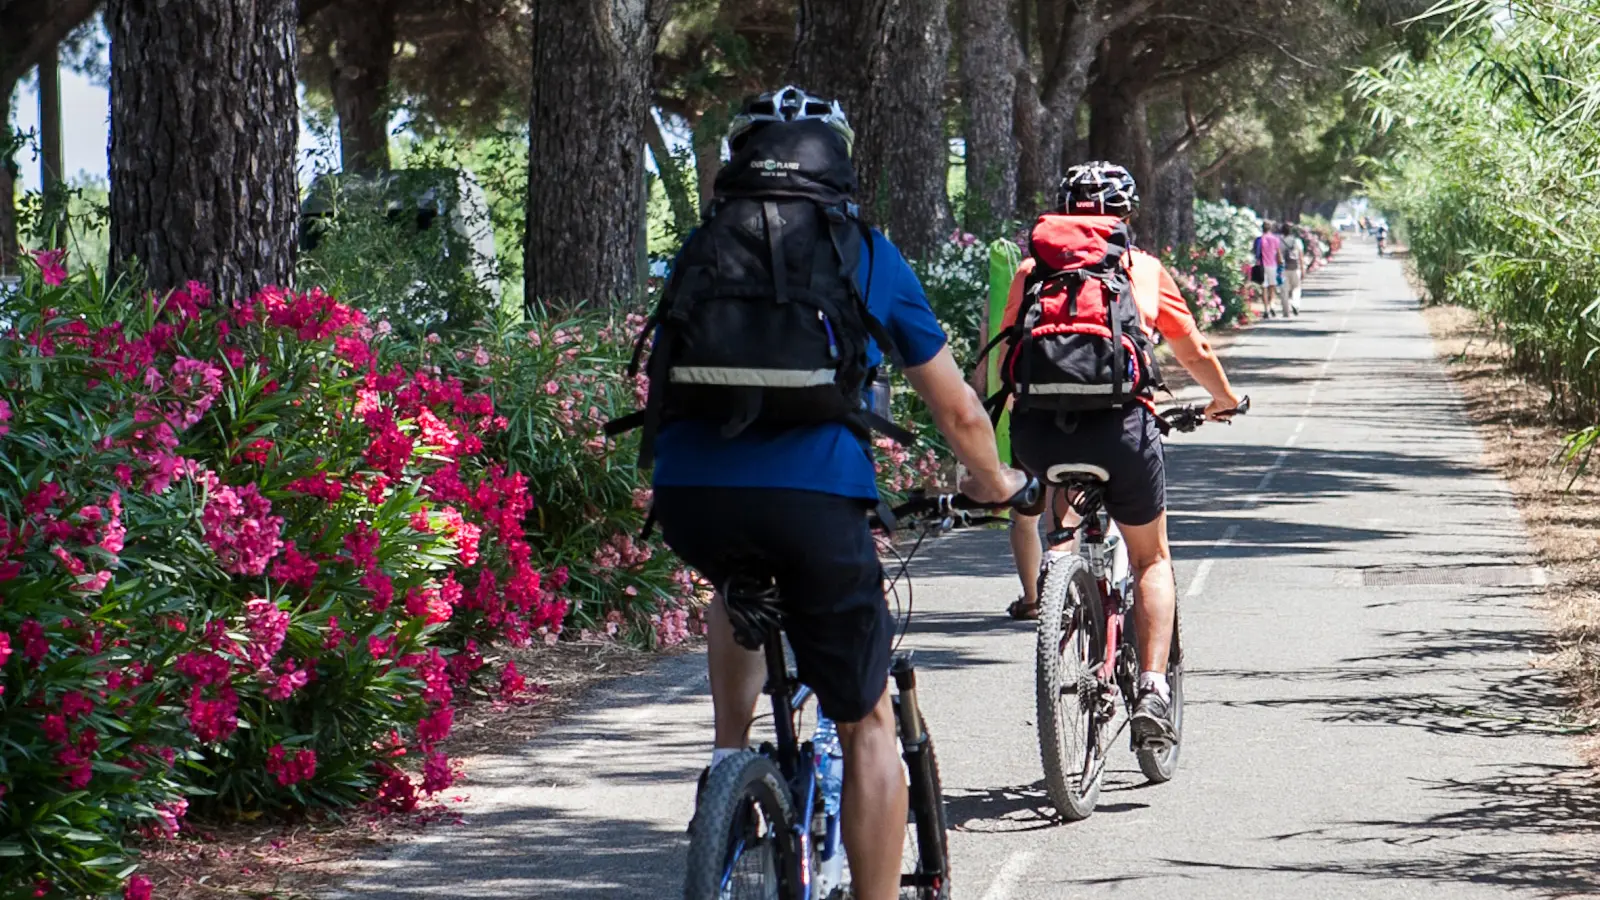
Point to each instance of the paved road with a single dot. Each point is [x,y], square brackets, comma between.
[1364,719]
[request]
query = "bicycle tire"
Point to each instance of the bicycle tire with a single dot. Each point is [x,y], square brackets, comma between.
[1070,616]
[938,820]
[1160,765]
[739,787]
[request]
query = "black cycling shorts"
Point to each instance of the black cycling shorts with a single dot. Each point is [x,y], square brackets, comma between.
[1124,442]
[819,549]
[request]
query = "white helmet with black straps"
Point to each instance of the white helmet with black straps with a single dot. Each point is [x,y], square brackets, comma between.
[1098,189]
[790,104]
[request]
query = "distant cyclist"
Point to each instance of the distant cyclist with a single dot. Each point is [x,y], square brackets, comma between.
[1096,198]
[761,459]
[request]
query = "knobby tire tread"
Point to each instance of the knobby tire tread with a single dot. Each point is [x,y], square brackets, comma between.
[738,777]
[1055,615]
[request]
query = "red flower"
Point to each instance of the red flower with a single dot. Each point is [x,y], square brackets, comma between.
[294,569]
[437,774]
[289,769]
[138,888]
[436,726]
[512,682]
[363,543]
[52,266]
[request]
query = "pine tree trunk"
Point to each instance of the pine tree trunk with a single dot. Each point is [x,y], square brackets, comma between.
[591,79]
[841,53]
[912,187]
[8,186]
[707,158]
[989,61]
[363,52]
[204,130]
[673,179]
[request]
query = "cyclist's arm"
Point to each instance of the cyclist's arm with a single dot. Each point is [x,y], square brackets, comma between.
[1190,347]
[963,421]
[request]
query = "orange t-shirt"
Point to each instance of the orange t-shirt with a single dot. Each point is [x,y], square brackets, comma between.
[1161,307]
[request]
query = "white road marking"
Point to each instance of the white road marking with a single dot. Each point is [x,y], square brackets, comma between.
[1203,571]
[1010,873]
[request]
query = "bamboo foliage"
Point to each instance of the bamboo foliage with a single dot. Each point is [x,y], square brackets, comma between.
[1496,176]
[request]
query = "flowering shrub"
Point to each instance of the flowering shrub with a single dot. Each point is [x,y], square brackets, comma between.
[557,382]
[1192,270]
[240,566]
[956,280]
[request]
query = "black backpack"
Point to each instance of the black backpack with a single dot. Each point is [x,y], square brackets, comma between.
[762,321]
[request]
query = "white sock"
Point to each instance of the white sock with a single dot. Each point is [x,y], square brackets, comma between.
[1155,681]
[718,754]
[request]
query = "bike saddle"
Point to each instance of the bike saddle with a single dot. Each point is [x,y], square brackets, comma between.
[753,608]
[1076,473]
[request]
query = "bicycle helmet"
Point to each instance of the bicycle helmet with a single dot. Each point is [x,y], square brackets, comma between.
[789,104]
[1098,189]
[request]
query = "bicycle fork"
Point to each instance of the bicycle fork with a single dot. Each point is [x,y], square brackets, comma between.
[914,741]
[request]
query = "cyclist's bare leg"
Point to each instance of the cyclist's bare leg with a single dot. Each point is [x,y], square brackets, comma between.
[737,677]
[874,805]
[1027,549]
[1155,593]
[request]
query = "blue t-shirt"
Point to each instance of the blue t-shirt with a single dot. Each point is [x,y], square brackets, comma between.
[827,458]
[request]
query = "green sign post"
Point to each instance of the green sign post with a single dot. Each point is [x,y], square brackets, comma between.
[1004,259]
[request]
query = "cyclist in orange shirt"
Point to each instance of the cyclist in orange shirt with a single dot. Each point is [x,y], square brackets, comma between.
[1124,441]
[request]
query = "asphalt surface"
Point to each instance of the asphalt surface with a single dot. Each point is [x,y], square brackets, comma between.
[1364,717]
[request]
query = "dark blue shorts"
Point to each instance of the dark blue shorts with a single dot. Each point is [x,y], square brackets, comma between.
[821,553]
[1124,442]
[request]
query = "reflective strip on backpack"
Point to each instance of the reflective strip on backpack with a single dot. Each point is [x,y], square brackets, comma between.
[1068,388]
[773,378]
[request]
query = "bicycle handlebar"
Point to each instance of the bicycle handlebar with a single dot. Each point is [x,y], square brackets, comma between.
[956,509]
[1187,418]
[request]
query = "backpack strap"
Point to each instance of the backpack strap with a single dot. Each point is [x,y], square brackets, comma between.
[780,274]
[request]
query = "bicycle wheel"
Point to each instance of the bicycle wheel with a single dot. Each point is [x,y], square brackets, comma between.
[926,822]
[1160,765]
[741,842]
[1070,646]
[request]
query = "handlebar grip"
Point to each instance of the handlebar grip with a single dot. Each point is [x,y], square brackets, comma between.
[1024,500]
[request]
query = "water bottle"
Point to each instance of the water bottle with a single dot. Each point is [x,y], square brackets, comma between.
[829,758]
[878,396]
[830,765]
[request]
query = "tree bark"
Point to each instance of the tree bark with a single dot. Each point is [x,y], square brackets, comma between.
[204,130]
[841,52]
[50,166]
[912,175]
[591,79]
[707,158]
[8,184]
[673,179]
[990,57]
[363,52]
[1070,50]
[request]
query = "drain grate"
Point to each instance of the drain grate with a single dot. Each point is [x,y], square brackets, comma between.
[1478,576]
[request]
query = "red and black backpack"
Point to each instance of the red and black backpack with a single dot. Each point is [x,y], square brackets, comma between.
[1078,343]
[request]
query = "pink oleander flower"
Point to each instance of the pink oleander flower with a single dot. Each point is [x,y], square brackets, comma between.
[294,569]
[335,636]
[240,529]
[435,433]
[5,416]
[216,719]
[512,683]
[283,685]
[35,647]
[138,888]
[289,768]
[268,626]
[52,266]
[437,774]
[197,383]
[435,727]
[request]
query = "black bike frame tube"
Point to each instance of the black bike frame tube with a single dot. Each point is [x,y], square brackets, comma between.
[782,708]
[915,741]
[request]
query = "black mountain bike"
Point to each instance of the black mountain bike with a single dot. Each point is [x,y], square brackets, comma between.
[768,823]
[1087,658]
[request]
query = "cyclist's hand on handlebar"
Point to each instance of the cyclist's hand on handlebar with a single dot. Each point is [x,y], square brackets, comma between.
[993,489]
[1223,409]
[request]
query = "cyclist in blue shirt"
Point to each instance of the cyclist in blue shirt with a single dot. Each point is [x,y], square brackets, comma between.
[797,498]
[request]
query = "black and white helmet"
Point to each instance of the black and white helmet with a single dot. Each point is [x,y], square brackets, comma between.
[790,104]
[1098,189]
